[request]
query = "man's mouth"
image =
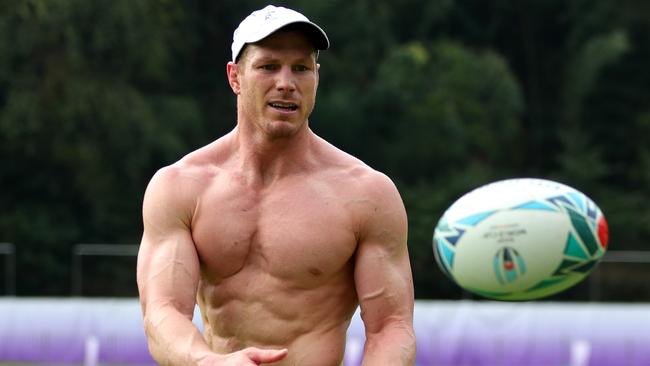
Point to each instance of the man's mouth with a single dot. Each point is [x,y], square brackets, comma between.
[284,106]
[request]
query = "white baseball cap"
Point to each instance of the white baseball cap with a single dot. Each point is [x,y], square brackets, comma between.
[262,23]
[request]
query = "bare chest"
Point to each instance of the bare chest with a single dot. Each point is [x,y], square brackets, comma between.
[297,232]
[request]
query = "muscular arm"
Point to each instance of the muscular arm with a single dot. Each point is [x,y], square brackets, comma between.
[383,279]
[168,274]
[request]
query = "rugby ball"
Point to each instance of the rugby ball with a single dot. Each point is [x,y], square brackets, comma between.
[520,239]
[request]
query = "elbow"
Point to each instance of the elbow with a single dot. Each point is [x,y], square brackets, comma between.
[400,335]
[406,337]
[152,344]
[154,330]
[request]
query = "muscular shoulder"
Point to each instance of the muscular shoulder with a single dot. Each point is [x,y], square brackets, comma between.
[378,192]
[358,177]
[367,191]
[378,208]
[194,170]
[168,198]
[174,189]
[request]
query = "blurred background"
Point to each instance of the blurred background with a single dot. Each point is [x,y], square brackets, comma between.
[443,96]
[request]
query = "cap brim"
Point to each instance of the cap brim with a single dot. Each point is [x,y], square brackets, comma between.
[317,35]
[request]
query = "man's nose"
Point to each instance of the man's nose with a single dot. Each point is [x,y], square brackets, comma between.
[286,80]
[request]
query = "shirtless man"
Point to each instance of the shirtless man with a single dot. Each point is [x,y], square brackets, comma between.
[275,233]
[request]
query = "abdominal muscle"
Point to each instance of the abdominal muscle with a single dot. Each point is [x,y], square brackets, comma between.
[256,309]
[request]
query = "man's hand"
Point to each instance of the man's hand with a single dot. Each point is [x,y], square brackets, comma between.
[247,357]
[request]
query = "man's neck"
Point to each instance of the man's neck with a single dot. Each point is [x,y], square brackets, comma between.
[264,160]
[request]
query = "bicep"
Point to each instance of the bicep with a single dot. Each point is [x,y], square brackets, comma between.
[168,264]
[168,272]
[382,270]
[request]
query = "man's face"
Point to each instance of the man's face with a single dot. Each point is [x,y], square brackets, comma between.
[276,81]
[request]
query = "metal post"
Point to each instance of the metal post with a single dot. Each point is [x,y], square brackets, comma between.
[76,273]
[9,250]
[81,250]
[627,256]
[594,285]
[614,256]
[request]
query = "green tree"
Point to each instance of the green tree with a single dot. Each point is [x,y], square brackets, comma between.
[88,110]
[443,96]
[450,121]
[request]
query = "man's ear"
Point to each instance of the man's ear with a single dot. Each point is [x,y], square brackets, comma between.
[233,77]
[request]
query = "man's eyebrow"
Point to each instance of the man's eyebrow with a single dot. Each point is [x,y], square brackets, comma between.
[271,58]
[259,61]
[306,59]
[265,58]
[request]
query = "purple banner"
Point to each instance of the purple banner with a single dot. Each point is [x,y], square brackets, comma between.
[60,330]
[449,333]
[457,333]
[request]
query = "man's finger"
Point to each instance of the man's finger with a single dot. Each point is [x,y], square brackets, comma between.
[265,355]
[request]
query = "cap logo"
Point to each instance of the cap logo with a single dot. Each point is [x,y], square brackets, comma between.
[270,14]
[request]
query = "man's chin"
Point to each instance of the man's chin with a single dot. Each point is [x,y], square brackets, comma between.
[282,129]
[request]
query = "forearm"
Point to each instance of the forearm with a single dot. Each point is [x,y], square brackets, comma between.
[392,346]
[173,339]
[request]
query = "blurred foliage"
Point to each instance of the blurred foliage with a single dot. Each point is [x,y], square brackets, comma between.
[443,96]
